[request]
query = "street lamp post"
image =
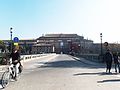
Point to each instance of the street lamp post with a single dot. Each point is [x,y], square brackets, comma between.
[11,39]
[101,43]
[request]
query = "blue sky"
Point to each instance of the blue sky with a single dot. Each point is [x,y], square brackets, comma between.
[32,18]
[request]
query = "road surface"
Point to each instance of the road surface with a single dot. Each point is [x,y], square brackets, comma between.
[63,72]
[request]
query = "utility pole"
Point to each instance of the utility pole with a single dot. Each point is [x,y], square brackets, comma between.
[101,43]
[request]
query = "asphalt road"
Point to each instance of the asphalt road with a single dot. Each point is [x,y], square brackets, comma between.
[62,72]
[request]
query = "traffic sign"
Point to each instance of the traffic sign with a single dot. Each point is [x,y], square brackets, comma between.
[16,39]
[16,44]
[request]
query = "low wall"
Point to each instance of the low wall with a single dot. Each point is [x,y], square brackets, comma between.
[24,58]
[91,57]
[30,57]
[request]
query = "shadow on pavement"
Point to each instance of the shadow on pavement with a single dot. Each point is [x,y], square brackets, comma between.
[111,80]
[99,73]
[68,64]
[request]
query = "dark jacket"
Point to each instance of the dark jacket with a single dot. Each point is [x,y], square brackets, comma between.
[108,57]
[115,58]
[15,56]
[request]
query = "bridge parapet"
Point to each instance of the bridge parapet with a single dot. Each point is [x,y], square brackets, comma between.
[91,57]
[31,57]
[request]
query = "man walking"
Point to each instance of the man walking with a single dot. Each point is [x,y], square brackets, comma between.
[108,60]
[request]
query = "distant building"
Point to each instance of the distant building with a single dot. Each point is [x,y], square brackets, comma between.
[25,45]
[61,43]
[96,47]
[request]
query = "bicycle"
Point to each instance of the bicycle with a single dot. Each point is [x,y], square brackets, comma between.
[8,75]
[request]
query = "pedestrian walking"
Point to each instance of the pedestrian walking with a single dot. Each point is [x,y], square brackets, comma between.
[116,62]
[108,59]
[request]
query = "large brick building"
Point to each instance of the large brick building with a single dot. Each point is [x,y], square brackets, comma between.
[64,43]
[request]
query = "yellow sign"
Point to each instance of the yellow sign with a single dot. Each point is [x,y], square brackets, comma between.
[16,44]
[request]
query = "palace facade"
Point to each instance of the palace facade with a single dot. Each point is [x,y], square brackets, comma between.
[61,43]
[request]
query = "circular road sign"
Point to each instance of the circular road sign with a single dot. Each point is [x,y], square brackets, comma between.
[16,39]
